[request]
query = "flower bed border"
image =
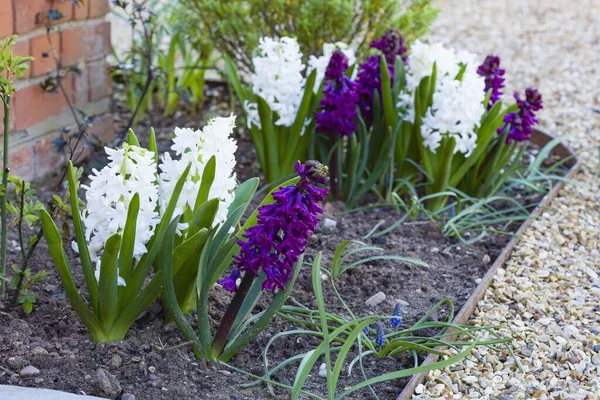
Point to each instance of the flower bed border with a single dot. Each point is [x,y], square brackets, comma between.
[541,138]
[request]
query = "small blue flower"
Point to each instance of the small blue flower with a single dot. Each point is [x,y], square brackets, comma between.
[366,330]
[380,339]
[397,320]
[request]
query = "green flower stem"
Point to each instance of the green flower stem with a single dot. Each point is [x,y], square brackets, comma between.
[6,101]
[335,170]
[229,317]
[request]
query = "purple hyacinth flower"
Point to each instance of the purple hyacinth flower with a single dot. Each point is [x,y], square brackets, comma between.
[521,123]
[392,44]
[380,338]
[337,109]
[283,227]
[397,320]
[229,283]
[493,77]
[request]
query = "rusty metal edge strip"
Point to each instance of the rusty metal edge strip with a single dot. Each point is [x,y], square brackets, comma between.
[467,309]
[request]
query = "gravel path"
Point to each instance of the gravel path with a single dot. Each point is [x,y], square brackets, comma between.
[547,297]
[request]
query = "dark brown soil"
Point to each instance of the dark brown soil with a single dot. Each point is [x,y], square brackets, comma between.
[156,363]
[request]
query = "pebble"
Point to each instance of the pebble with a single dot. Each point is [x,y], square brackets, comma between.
[39,351]
[16,362]
[115,361]
[323,370]
[105,384]
[127,396]
[329,224]
[376,299]
[29,372]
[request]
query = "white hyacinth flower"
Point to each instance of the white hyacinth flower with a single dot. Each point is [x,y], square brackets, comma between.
[130,170]
[278,77]
[457,104]
[321,63]
[197,147]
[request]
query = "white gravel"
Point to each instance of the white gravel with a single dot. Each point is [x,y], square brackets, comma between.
[547,297]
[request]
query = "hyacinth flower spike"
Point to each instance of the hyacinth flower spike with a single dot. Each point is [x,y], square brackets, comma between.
[266,254]
[273,246]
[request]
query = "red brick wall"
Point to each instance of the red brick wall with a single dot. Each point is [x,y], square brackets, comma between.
[38,119]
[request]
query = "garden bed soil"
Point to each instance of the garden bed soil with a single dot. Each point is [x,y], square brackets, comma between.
[154,362]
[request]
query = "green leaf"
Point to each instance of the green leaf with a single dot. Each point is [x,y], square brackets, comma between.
[128,240]
[132,139]
[54,242]
[84,253]
[107,287]
[233,347]
[208,177]
[166,260]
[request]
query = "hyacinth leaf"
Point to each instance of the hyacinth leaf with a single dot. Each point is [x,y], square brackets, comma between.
[389,110]
[132,139]
[318,288]
[203,285]
[128,240]
[82,246]
[208,177]
[54,241]
[492,120]
[170,299]
[243,195]
[107,285]
[295,138]
[232,348]
[143,266]
[247,307]
[399,76]
[270,142]
[152,146]
[204,215]
[150,293]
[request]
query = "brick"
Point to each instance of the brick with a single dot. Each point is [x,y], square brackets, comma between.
[39,46]
[65,8]
[25,14]
[96,41]
[71,46]
[21,163]
[6,18]
[22,48]
[99,81]
[81,11]
[33,105]
[98,8]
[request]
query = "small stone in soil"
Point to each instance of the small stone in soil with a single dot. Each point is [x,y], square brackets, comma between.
[106,384]
[115,361]
[16,362]
[329,224]
[127,396]
[376,299]
[39,351]
[29,372]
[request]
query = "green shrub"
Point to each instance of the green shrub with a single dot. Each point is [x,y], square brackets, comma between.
[235,26]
